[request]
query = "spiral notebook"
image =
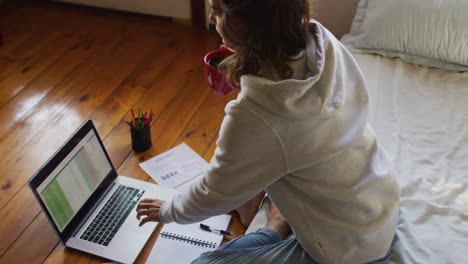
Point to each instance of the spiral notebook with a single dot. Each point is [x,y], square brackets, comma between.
[181,244]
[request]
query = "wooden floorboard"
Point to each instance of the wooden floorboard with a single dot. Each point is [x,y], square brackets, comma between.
[28,60]
[79,55]
[15,33]
[62,64]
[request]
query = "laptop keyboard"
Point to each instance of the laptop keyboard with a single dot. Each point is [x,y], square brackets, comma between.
[112,215]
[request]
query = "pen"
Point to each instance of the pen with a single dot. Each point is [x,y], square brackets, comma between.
[209,229]
[133,116]
[139,117]
[150,117]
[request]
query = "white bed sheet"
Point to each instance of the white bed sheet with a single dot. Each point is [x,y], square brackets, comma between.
[420,116]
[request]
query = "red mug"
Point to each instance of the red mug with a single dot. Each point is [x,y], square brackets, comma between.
[216,77]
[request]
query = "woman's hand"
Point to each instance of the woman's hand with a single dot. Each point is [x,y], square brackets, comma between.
[150,209]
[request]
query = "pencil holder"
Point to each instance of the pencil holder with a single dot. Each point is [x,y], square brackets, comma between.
[141,138]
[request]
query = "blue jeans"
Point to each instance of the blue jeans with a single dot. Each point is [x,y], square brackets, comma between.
[263,246]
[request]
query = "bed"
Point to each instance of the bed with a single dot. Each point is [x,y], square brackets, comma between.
[420,116]
[414,57]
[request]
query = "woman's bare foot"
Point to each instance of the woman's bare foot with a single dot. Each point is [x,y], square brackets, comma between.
[277,222]
[248,210]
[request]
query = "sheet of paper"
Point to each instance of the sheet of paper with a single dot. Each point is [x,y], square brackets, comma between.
[178,252]
[175,167]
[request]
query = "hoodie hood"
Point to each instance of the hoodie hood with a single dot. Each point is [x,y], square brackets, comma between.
[305,93]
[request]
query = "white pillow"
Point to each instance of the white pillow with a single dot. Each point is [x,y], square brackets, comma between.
[432,33]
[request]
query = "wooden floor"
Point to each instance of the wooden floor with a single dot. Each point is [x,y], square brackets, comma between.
[62,64]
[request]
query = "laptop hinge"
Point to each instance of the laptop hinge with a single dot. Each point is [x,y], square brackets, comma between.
[96,204]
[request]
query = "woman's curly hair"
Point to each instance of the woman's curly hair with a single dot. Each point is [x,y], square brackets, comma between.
[268,31]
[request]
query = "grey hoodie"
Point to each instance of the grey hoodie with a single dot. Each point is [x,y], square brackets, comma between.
[306,141]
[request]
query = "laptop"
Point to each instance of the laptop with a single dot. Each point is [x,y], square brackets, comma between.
[89,206]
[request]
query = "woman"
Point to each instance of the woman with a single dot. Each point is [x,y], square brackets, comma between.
[298,130]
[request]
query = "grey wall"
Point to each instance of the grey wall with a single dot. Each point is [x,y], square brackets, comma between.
[336,15]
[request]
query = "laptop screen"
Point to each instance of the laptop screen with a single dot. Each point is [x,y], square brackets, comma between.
[73,181]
